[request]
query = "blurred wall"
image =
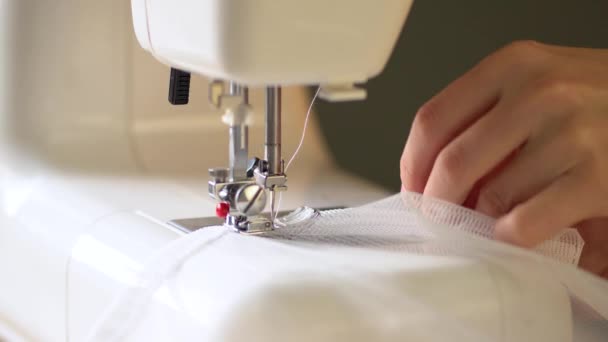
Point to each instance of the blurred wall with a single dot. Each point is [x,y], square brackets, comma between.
[441,40]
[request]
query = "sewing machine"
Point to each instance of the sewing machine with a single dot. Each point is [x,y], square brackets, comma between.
[265,43]
[95,161]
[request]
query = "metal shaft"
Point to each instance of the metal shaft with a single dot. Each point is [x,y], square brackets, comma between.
[236,89]
[272,146]
[239,140]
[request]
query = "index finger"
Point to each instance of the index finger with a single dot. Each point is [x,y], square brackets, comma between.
[440,120]
[455,108]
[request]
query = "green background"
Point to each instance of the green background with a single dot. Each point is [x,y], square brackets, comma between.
[440,41]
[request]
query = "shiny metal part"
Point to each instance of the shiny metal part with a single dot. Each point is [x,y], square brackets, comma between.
[250,200]
[226,191]
[239,139]
[275,182]
[273,215]
[273,178]
[243,186]
[272,145]
[253,225]
[258,225]
[249,225]
[219,174]
[236,89]
[238,152]
[285,218]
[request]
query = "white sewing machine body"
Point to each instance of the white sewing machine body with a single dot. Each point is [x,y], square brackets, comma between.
[94,161]
[266,42]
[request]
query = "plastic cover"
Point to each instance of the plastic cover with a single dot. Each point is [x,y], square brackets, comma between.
[404,268]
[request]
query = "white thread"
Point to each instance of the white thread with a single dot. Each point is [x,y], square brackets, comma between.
[295,153]
[293,156]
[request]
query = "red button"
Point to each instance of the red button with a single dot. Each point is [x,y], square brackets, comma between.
[222,209]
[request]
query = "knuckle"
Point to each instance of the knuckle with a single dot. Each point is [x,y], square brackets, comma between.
[566,93]
[451,162]
[523,48]
[426,120]
[495,201]
[519,56]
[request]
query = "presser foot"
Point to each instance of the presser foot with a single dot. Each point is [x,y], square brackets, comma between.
[250,225]
[258,225]
[247,225]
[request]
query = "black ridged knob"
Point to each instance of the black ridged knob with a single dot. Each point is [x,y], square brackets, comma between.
[179,87]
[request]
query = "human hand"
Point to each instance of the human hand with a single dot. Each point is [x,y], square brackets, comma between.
[522,137]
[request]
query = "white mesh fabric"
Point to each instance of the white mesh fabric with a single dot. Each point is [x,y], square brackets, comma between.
[395,224]
[404,268]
